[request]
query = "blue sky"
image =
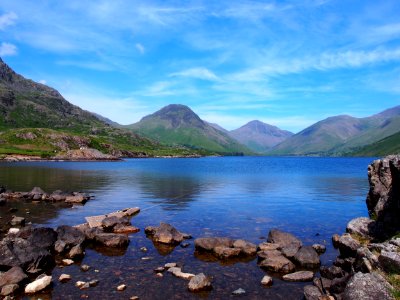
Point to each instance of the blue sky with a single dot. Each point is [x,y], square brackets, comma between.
[287,63]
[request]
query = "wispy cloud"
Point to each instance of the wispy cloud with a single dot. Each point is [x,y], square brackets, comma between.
[139,47]
[7,49]
[7,20]
[198,73]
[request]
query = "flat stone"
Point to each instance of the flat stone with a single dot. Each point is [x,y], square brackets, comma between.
[239,291]
[299,276]
[38,285]
[80,284]
[268,246]
[64,278]
[159,269]
[178,273]
[165,234]
[266,280]
[200,282]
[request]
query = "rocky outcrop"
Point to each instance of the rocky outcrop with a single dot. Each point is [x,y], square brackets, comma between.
[369,286]
[225,248]
[383,200]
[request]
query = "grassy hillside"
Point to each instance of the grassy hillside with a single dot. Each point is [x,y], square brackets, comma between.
[177,125]
[386,146]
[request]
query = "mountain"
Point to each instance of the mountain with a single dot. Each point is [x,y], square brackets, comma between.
[386,146]
[25,104]
[259,136]
[177,124]
[218,127]
[340,135]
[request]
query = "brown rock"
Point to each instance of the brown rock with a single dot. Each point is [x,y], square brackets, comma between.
[274,261]
[200,282]
[283,238]
[307,257]
[208,244]
[299,276]
[225,252]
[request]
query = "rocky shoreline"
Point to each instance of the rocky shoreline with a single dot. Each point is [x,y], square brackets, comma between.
[366,268]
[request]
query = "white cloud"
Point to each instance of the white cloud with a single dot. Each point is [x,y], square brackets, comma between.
[7,49]
[198,73]
[7,20]
[139,47]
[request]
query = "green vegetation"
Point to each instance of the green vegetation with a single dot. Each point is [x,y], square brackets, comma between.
[394,280]
[388,145]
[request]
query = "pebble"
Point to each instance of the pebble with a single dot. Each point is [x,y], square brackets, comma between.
[80,284]
[93,283]
[147,258]
[239,291]
[85,268]
[266,280]
[134,298]
[143,249]
[121,287]
[96,271]
[13,230]
[67,262]
[64,278]
[160,275]
[159,269]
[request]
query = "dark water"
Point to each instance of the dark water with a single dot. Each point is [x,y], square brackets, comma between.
[239,197]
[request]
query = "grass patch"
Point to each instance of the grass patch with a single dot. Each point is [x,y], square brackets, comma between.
[394,280]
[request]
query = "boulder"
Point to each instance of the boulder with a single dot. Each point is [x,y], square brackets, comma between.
[36,193]
[114,240]
[363,227]
[38,285]
[319,248]
[109,223]
[76,199]
[299,276]
[13,276]
[200,282]
[268,246]
[266,280]
[331,272]
[245,247]
[274,261]
[283,238]
[209,243]
[367,286]
[58,196]
[226,252]
[307,257]
[68,238]
[311,292]
[390,261]
[165,234]
[382,200]
[348,246]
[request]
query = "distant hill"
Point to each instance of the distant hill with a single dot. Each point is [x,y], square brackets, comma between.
[218,127]
[259,136]
[386,146]
[340,134]
[25,104]
[177,124]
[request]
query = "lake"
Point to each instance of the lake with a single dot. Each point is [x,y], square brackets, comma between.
[237,197]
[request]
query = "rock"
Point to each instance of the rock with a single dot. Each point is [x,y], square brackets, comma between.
[268,246]
[143,249]
[170,265]
[64,278]
[266,280]
[76,199]
[283,238]
[121,287]
[226,253]
[335,240]
[274,261]
[331,272]
[114,240]
[85,268]
[178,273]
[159,269]
[320,249]
[36,193]
[76,252]
[395,241]
[38,285]
[299,276]
[80,284]
[369,286]
[239,291]
[13,276]
[3,201]
[245,247]
[13,230]
[67,262]
[345,263]
[209,243]
[390,261]
[337,285]
[383,195]
[58,196]
[348,246]
[68,238]
[366,261]
[128,212]
[120,228]
[307,257]
[9,289]
[363,227]
[165,234]
[185,245]
[386,246]
[200,282]
[93,283]
[311,292]
[109,223]
[17,221]
[134,298]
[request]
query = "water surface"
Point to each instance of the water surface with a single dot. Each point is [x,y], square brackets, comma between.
[239,197]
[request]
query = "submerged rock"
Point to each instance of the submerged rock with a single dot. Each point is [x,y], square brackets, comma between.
[209,243]
[283,239]
[165,234]
[239,291]
[274,261]
[200,282]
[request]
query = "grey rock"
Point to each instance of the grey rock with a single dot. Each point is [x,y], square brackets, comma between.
[68,237]
[390,261]
[13,276]
[363,227]
[200,282]
[274,261]
[311,292]
[337,285]
[114,240]
[367,286]
[226,253]
[348,246]
[307,257]
[64,278]
[209,243]
[266,280]
[283,238]
[109,223]
[38,285]
[331,272]
[239,291]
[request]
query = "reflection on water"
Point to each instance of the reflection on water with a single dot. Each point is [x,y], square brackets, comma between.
[238,197]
